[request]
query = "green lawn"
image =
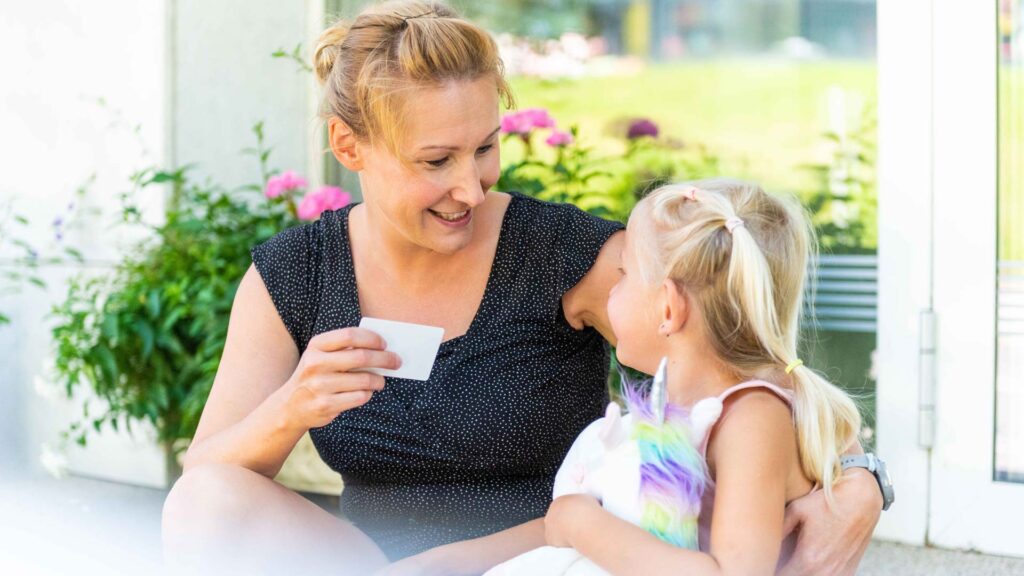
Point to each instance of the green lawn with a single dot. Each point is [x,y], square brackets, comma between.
[764,118]
[1011,163]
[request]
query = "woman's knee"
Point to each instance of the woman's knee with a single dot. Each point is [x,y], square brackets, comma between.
[210,497]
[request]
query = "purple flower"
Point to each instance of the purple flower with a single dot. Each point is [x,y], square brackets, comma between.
[559,139]
[525,121]
[288,180]
[324,198]
[642,127]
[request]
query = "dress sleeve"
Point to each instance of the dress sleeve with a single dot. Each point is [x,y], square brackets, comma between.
[288,264]
[580,237]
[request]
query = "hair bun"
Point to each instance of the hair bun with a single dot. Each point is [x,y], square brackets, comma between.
[328,48]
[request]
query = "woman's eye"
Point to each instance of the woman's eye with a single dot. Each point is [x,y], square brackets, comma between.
[438,163]
[484,149]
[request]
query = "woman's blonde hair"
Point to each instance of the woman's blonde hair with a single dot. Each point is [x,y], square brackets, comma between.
[750,285]
[369,66]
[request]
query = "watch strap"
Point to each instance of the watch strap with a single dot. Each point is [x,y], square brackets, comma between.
[858,461]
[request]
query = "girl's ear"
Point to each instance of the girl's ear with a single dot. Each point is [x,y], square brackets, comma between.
[344,144]
[675,308]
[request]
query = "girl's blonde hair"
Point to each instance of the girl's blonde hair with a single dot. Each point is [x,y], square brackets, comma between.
[369,67]
[750,285]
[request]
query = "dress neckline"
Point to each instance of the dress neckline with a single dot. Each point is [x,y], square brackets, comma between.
[491,289]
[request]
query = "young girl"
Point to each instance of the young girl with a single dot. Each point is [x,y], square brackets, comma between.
[713,278]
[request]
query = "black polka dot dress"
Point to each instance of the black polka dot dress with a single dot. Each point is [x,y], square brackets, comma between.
[474,449]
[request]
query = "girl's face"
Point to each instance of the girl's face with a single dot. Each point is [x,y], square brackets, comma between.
[451,152]
[633,309]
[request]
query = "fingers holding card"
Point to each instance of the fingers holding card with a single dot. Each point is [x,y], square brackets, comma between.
[415,344]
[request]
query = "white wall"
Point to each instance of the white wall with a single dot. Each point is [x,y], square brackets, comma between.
[225,81]
[183,81]
[58,59]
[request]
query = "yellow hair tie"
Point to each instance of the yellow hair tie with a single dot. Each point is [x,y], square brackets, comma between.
[792,365]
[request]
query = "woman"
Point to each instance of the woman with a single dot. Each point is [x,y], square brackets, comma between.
[452,475]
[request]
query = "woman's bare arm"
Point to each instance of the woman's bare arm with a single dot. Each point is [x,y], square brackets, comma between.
[266,396]
[586,304]
[241,423]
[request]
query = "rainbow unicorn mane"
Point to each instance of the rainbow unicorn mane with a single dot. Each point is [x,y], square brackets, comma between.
[673,474]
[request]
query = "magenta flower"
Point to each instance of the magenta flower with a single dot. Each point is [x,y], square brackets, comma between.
[642,127]
[324,198]
[559,139]
[525,121]
[288,180]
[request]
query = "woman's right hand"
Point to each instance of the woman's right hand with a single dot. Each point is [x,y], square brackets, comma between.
[328,380]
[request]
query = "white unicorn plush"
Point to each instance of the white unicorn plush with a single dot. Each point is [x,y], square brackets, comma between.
[632,464]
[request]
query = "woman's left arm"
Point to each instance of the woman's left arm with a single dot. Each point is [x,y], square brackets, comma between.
[832,540]
[586,304]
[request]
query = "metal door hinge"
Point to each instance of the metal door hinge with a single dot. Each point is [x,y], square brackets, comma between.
[926,380]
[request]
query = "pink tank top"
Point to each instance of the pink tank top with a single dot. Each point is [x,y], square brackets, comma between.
[708,500]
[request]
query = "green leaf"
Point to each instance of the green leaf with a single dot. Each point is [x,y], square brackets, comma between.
[172,318]
[110,329]
[153,303]
[145,332]
[75,254]
[108,364]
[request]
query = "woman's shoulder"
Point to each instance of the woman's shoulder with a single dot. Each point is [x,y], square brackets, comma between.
[573,234]
[306,238]
[550,212]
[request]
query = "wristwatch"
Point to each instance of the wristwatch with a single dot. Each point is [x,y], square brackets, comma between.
[876,466]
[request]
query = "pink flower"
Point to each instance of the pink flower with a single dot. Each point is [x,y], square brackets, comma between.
[525,121]
[324,198]
[559,139]
[288,180]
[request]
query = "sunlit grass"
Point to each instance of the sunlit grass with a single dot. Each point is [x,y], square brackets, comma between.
[765,118]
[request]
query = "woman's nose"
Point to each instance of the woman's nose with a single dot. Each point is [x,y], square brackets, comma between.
[468,189]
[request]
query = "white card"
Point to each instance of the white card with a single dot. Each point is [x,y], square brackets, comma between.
[415,344]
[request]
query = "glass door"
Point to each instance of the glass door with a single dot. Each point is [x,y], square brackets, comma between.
[977,467]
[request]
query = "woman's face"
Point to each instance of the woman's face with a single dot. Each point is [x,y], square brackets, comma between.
[633,307]
[451,150]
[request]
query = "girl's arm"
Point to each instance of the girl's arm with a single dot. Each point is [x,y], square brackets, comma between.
[754,454]
[579,521]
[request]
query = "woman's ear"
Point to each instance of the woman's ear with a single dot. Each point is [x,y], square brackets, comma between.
[344,144]
[675,309]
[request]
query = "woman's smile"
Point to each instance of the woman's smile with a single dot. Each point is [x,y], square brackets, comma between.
[453,219]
